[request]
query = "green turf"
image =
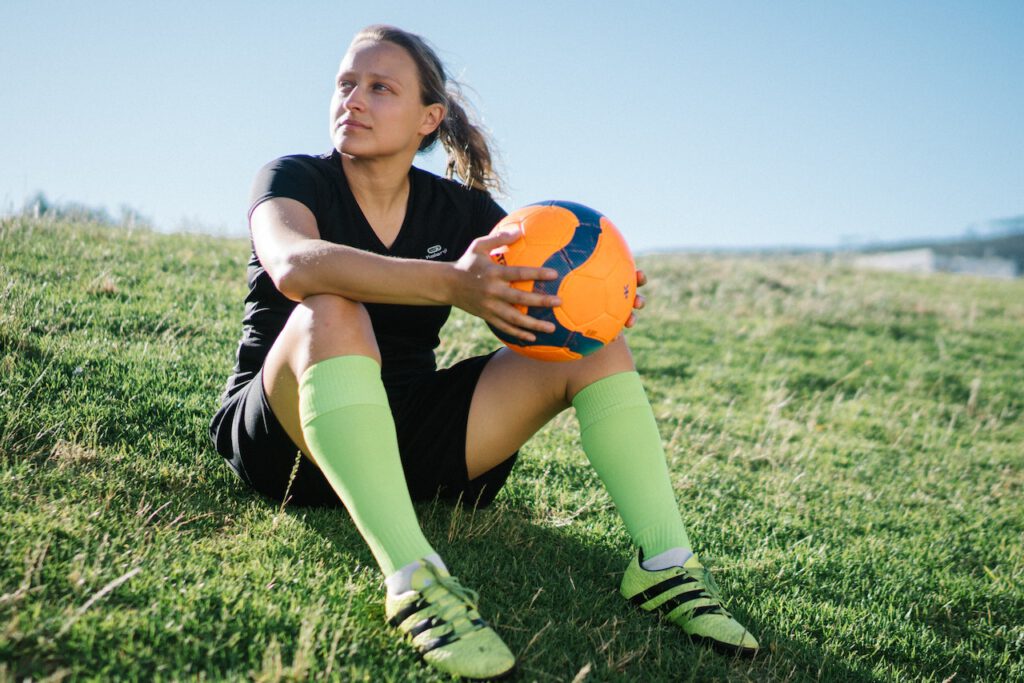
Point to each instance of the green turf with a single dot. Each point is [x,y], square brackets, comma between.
[846,446]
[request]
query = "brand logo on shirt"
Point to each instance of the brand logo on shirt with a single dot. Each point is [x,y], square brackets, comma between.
[436,251]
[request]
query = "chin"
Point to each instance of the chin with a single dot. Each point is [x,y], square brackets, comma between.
[348,148]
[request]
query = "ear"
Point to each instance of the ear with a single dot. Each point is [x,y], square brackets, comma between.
[433,115]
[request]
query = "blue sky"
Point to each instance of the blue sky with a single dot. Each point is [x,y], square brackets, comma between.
[688,124]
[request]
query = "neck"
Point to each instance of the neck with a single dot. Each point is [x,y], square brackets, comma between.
[376,184]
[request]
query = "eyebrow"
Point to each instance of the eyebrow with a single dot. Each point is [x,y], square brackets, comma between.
[373,75]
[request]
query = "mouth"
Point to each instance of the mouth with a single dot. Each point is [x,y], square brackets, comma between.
[351,123]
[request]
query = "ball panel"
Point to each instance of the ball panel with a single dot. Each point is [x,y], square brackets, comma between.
[551,226]
[554,227]
[620,291]
[579,304]
[598,294]
[546,353]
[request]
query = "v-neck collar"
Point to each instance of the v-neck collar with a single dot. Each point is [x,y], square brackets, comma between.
[369,233]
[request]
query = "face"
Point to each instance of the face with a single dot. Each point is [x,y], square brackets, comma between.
[376,109]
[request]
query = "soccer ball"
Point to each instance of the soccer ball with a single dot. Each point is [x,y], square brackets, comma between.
[597,277]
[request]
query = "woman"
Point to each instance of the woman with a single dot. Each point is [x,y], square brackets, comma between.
[354,269]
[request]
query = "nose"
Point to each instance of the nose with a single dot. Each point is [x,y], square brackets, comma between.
[354,99]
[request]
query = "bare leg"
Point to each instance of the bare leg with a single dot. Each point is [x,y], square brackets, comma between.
[498,427]
[322,380]
[321,327]
[328,339]
[617,429]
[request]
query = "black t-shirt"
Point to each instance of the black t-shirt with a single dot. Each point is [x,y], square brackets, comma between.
[441,219]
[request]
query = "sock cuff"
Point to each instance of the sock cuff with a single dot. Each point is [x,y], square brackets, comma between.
[340,382]
[609,395]
[663,535]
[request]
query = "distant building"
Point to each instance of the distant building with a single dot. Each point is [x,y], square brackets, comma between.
[930,261]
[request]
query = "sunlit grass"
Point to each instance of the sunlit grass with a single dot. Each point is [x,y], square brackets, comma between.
[846,447]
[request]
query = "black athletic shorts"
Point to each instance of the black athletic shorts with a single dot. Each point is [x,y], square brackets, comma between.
[430,417]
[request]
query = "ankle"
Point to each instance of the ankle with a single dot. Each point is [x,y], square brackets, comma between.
[401,580]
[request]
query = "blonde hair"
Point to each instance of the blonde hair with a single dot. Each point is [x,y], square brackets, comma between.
[464,141]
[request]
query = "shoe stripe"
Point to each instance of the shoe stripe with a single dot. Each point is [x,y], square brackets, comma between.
[678,600]
[443,640]
[659,588]
[424,625]
[440,641]
[407,611]
[708,609]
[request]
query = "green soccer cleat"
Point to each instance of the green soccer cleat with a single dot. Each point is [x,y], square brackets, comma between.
[440,617]
[688,597]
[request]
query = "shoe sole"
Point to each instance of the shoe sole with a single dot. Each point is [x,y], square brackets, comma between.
[497,677]
[725,648]
[716,645]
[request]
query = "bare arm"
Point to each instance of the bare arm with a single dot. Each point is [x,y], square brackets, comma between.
[287,243]
[301,264]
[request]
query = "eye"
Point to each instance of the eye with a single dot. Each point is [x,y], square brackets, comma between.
[382,87]
[344,86]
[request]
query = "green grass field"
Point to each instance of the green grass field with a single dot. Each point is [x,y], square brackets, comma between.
[847,447]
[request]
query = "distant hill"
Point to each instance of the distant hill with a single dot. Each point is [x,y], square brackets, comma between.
[1008,246]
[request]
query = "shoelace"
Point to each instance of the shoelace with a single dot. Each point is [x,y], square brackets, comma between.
[453,603]
[709,590]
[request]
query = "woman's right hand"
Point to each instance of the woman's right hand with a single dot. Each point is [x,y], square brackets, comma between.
[483,288]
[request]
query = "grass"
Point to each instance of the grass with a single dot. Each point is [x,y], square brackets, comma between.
[846,447]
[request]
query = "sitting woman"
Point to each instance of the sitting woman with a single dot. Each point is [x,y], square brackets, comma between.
[357,259]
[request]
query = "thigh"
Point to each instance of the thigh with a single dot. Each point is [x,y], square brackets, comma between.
[431,415]
[320,327]
[516,396]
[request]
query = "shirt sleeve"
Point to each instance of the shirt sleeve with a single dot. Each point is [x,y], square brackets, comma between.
[487,213]
[284,177]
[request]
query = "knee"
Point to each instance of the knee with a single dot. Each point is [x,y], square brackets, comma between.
[330,309]
[329,325]
[609,360]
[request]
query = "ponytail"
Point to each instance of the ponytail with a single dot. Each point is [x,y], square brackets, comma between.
[465,142]
[469,154]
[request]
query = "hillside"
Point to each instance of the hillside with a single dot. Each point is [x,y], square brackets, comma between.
[847,448]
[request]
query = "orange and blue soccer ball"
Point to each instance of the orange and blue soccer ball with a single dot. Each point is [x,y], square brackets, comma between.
[596,277]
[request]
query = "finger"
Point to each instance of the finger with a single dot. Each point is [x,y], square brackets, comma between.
[631,320]
[639,302]
[524,274]
[507,235]
[530,299]
[513,331]
[641,278]
[523,326]
[516,318]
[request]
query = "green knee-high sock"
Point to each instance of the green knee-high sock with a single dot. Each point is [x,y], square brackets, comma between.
[621,439]
[348,427]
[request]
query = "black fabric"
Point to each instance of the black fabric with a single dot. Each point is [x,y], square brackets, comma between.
[431,415]
[441,219]
[431,407]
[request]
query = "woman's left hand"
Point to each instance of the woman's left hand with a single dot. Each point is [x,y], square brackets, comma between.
[639,301]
